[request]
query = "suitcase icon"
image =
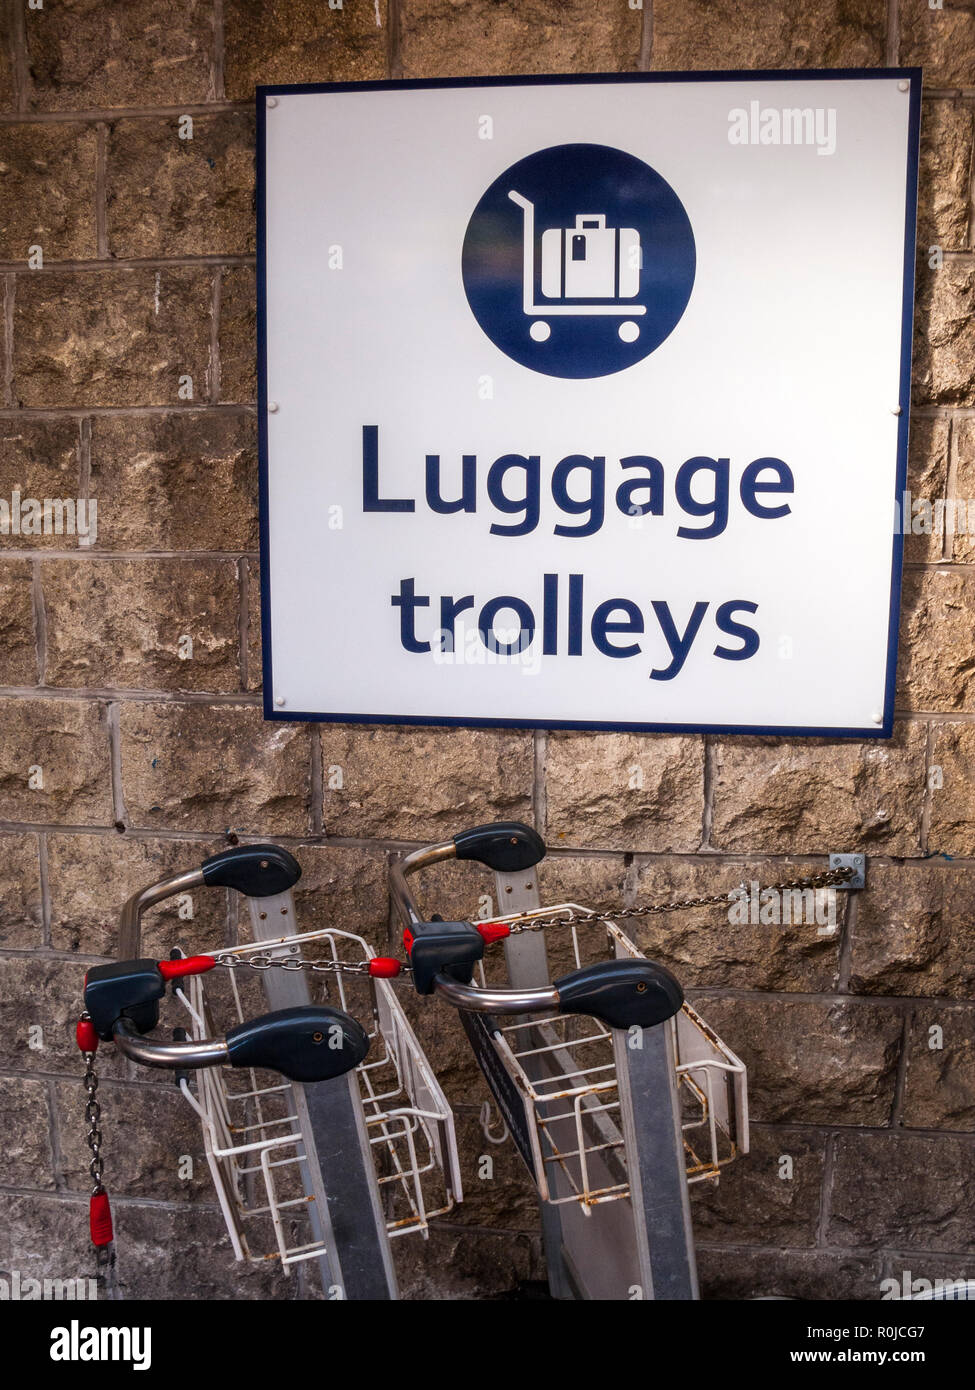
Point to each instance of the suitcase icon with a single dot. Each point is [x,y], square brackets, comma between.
[589,261]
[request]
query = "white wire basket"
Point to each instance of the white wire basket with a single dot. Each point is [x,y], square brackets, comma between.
[564,1069]
[251,1132]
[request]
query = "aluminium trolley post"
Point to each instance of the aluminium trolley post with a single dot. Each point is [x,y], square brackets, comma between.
[605,1143]
[337,1173]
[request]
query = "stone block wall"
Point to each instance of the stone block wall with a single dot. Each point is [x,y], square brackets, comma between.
[127,376]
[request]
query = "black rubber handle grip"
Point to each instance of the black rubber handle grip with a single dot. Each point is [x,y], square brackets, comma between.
[506,846]
[309,1043]
[128,989]
[621,993]
[257,871]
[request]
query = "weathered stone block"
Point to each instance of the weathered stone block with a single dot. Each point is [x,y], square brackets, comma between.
[913,931]
[952,829]
[624,791]
[946,161]
[214,767]
[142,53]
[944,334]
[150,1132]
[47,191]
[21,921]
[18,647]
[769,1196]
[801,1274]
[302,41]
[6,60]
[40,1000]
[927,478]
[238,334]
[255,651]
[937,617]
[821,34]
[704,947]
[811,1063]
[903,1190]
[459,1264]
[46,1237]
[91,876]
[173,196]
[961,546]
[345,888]
[54,762]
[817,795]
[112,337]
[142,624]
[498,1191]
[185,481]
[458,39]
[27,1159]
[186,1254]
[422,784]
[38,459]
[941,41]
[940,1090]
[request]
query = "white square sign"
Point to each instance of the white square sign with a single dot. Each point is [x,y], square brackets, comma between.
[584,401]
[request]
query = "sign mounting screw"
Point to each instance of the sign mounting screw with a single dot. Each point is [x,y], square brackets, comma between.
[279,700]
[903,86]
[877,716]
[273,408]
[272,102]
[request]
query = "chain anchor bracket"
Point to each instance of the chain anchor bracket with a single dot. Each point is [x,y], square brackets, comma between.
[857,863]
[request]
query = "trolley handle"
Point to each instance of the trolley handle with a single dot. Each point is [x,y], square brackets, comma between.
[505,846]
[309,1043]
[621,993]
[257,871]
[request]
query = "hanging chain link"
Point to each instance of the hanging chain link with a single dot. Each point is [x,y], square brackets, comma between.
[93,1115]
[590,917]
[315,967]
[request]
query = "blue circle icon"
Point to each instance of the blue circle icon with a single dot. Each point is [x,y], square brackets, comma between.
[579,261]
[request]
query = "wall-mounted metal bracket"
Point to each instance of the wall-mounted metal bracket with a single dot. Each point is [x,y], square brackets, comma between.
[856,862]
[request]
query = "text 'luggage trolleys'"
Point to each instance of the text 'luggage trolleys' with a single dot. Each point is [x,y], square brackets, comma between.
[589,270]
[337,1170]
[617,1102]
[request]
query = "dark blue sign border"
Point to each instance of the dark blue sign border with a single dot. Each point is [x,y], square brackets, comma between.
[911,75]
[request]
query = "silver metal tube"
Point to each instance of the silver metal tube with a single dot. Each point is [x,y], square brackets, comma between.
[419,859]
[130,921]
[496,1001]
[211,1053]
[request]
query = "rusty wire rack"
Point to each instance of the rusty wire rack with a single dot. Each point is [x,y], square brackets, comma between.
[565,1069]
[251,1131]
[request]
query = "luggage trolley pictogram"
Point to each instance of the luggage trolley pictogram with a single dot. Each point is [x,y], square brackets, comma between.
[588,262]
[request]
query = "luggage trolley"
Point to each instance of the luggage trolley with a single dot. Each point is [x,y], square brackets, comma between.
[336,1168]
[588,262]
[617,1095]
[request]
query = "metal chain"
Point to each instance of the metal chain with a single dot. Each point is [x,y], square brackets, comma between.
[827,879]
[316,967]
[93,1115]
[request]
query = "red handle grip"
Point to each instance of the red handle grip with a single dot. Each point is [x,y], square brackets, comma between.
[384,967]
[185,965]
[100,1219]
